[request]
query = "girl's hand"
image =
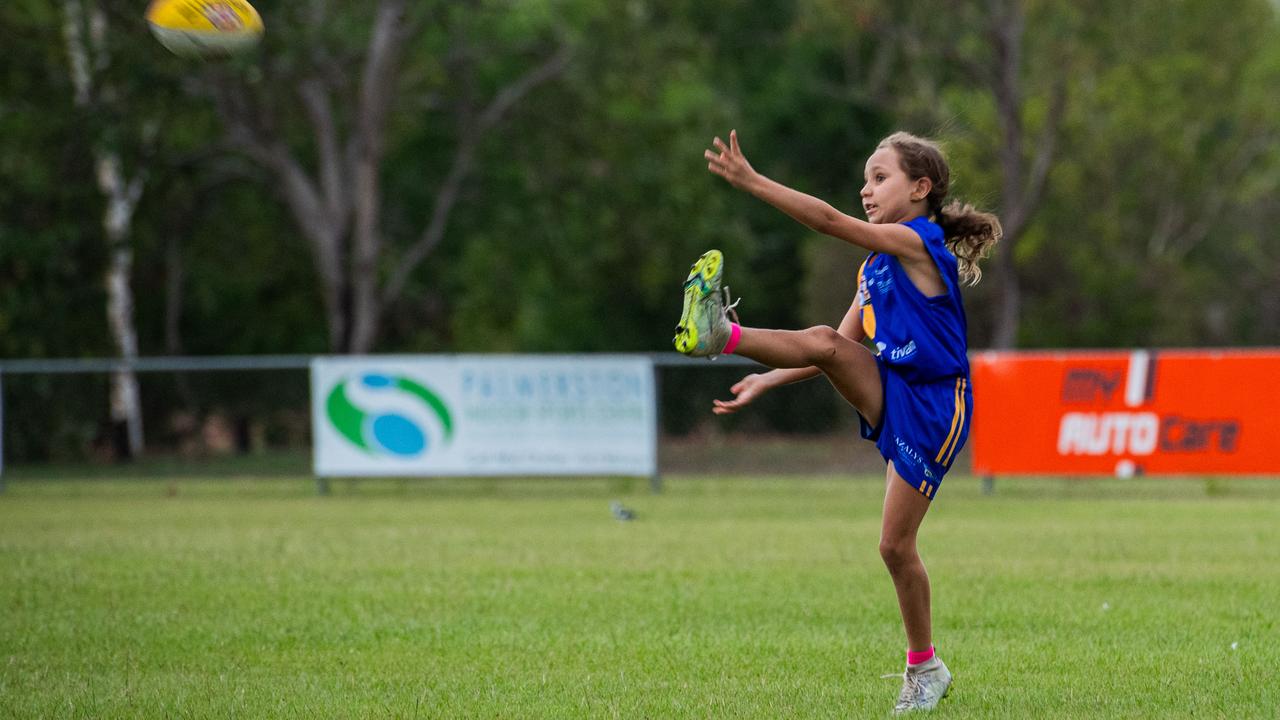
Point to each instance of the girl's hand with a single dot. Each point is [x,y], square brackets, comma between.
[746,390]
[728,162]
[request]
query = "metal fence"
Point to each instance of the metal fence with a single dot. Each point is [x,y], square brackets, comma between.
[251,414]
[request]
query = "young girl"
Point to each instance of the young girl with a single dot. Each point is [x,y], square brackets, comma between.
[912,395]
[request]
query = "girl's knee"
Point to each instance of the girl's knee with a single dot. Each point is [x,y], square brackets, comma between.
[822,343]
[897,553]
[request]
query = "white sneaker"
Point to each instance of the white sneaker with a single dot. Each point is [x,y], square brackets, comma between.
[923,687]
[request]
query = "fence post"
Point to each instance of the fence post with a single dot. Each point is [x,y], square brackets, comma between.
[988,484]
[655,480]
[1,434]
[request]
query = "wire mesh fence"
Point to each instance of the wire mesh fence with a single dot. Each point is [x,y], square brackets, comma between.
[251,416]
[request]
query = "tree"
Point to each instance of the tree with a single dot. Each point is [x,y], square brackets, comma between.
[1007,69]
[1024,167]
[88,55]
[1160,233]
[340,206]
[991,79]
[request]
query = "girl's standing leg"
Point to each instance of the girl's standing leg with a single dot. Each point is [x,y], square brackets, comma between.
[852,369]
[904,509]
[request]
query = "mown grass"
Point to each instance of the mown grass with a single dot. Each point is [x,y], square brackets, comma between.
[745,597]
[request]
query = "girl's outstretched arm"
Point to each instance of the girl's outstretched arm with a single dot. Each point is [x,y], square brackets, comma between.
[728,162]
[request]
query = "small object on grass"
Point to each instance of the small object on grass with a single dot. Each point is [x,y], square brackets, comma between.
[621,512]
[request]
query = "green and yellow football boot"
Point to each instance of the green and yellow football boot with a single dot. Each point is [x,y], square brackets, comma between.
[704,327]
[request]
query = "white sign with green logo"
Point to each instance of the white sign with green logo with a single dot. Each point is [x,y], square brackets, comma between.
[484,415]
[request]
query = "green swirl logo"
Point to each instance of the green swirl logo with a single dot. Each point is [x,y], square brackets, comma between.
[386,432]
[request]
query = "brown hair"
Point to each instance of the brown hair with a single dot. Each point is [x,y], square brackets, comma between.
[968,232]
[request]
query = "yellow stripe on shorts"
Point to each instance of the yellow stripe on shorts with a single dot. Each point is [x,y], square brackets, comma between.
[956,443]
[955,422]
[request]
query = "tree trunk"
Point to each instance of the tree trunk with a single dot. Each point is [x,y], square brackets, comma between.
[126,403]
[1023,179]
[1007,30]
[1009,302]
[377,84]
[121,197]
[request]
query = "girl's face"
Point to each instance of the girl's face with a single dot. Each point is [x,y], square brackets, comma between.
[889,196]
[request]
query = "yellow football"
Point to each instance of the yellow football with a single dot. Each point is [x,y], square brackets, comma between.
[205,28]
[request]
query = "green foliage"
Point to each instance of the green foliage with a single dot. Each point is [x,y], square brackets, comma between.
[50,296]
[589,200]
[591,227]
[1165,240]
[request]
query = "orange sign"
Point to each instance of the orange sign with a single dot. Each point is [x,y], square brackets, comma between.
[1126,413]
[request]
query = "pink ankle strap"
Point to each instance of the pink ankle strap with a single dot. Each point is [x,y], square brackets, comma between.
[915,658]
[735,334]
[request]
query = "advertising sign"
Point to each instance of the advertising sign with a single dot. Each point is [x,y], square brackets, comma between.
[483,415]
[1126,413]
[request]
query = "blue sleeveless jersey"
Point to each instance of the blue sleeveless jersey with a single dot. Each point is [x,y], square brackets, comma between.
[921,347]
[920,338]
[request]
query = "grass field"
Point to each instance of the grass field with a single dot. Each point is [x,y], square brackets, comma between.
[731,598]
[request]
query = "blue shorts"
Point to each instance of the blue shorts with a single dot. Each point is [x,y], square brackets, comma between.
[922,428]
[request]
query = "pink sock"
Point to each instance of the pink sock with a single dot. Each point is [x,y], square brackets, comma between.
[915,658]
[735,334]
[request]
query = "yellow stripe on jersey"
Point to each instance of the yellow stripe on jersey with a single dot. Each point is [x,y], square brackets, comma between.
[867,311]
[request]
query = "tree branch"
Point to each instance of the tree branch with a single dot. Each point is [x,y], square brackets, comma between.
[77,54]
[431,236]
[1209,211]
[1045,148]
[513,93]
[377,81]
[296,188]
[463,158]
[332,165]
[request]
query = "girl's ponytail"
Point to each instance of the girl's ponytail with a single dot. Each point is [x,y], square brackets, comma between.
[970,235]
